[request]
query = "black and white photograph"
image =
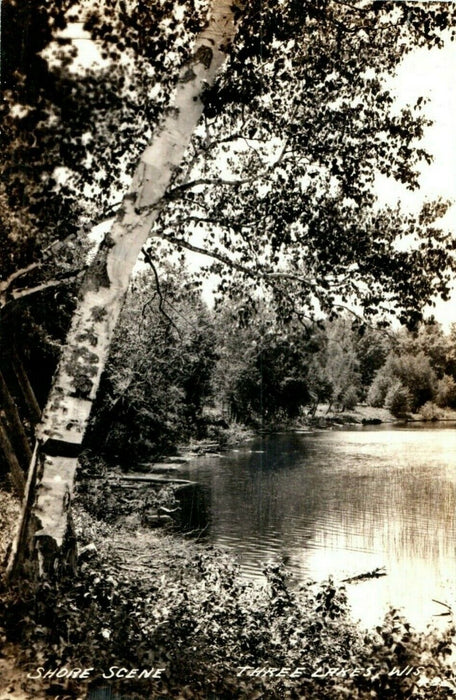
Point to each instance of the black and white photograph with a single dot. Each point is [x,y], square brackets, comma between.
[228,350]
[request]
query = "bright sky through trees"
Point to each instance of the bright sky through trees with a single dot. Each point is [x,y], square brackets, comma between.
[431,74]
[422,73]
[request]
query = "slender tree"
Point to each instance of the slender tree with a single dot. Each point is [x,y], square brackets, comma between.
[299,121]
[45,527]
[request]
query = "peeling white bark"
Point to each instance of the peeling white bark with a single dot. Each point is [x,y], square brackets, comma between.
[66,414]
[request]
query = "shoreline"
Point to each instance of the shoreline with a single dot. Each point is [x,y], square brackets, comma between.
[129,562]
[362,416]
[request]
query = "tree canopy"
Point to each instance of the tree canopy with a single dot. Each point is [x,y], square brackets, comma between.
[276,188]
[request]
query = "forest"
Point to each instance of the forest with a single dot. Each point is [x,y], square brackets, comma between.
[246,136]
[185,372]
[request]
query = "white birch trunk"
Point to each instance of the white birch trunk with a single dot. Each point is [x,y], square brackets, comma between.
[44,530]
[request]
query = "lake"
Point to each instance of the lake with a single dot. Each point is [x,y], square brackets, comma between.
[344,502]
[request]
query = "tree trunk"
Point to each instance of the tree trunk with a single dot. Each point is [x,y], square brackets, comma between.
[15,424]
[31,403]
[15,472]
[45,518]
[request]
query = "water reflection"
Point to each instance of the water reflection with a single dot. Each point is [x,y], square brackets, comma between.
[342,503]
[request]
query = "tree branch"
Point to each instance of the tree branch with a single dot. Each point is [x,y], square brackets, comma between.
[16,294]
[4,286]
[252,273]
[264,171]
[44,255]
[359,10]
[209,253]
[149,261]
[267,277]
[229,224]
[170,194]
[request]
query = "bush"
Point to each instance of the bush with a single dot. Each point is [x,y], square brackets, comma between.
[203,623]
[446,392]
[413,372]
[431,412]
[350,398]
[397,400]
[378,390]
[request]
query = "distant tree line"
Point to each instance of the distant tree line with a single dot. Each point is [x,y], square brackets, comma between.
[180,371]
[419,372]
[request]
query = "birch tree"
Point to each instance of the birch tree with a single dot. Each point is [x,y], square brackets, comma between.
[45,525]
[300,121]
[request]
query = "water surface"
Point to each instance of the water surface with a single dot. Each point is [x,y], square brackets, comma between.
[344,502]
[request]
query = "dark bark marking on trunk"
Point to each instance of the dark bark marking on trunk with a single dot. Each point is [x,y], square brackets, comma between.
[82,365]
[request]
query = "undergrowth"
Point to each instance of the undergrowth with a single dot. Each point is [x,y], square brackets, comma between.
[144,599]
[203,624]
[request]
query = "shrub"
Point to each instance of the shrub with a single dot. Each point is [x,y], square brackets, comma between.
[203,623]
[412,371]
[431,412]
[350,398]
[446,392]
[378,390]
[397,400]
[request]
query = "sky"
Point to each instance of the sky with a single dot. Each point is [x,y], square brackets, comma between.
[431,73]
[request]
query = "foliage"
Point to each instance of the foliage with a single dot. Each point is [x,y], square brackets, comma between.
[377,390]
[342,367]
[295,215]
[70,135]
[100,499]
[372,348]
[430,411]
[158,376]
[171,380]
[445,394]
[203,623]
[69,128]
[417,375]
[397,400]
[451,357]
[422,361]
[430,339]
[412,371]
[43,245]
[264,370]
[350,399]
[320,387]
[301,116]
[9,513]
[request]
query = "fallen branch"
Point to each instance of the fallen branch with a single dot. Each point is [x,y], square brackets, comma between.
[148,479]
[445,605]
[376,573]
